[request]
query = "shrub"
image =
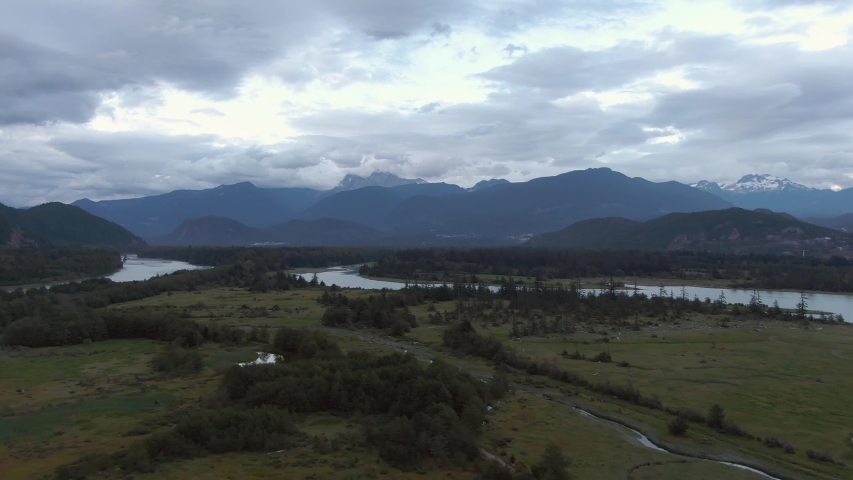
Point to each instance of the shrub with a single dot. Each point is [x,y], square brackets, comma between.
[774,442]
[824,457]
[690,415]
[678,427]
[732,428]
[176,359]
[603,357]
[552,465]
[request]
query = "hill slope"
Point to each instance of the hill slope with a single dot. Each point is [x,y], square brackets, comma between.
[842,222]
[213,232]
[60,225]
[734,229]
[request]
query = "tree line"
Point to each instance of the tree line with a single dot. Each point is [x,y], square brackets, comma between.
[768,271]
[18,267]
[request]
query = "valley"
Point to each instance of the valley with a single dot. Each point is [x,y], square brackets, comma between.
[762,371]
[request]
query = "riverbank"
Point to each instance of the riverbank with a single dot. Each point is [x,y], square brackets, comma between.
[133,269]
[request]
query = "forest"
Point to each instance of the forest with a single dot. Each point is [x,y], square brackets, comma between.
[19,267]
[409,412]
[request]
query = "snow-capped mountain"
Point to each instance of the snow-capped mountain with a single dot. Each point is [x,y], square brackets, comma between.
[376,179]
[753,184]
[781,195]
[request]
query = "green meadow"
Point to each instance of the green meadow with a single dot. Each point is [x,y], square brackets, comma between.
[779,379]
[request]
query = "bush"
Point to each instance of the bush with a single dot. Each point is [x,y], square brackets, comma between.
[774,442]
[732,428]
[292,344]
[176,359]
[678,427]
[603,357]
[200,433]
[553,464]
[824,457]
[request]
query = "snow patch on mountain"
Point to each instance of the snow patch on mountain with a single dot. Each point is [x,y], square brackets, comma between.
[753,184]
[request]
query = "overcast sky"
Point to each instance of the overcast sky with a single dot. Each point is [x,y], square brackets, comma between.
[113,99]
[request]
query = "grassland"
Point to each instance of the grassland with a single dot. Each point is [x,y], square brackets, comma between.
[775,379]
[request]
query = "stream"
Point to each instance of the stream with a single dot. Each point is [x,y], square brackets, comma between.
[644,441]
[268,358]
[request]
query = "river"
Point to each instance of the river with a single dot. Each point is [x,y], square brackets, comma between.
[817,302]
[134,269]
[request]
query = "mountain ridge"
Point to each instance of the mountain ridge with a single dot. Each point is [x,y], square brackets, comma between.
[734,229]
[56,224]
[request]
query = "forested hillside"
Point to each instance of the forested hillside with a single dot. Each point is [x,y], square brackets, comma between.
[60,225]
[731,230]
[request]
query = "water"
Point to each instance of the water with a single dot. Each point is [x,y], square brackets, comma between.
[817,302]
[134,269]
[644,441]
[138,269]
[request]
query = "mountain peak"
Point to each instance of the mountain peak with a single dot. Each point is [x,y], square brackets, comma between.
[376,179]
[237,186]
[753,183]
[488,183]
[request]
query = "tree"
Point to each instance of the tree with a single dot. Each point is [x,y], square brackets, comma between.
[716,416]
[803,306]
[552,465]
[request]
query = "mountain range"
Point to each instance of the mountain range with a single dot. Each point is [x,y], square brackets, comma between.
[494,213]
[156,216]
[59,225]
[731,230]
[782,195]
[384,209]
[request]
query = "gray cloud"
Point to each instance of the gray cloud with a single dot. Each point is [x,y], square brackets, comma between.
[752,108]
[56,66]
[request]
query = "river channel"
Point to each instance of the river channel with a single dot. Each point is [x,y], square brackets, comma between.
[135,269]
[817,302]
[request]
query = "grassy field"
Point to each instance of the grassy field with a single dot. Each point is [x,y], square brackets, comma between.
[774,379]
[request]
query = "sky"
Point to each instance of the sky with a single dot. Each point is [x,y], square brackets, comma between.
[103,99]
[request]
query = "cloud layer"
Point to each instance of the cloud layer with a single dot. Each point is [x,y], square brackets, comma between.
[117,99]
